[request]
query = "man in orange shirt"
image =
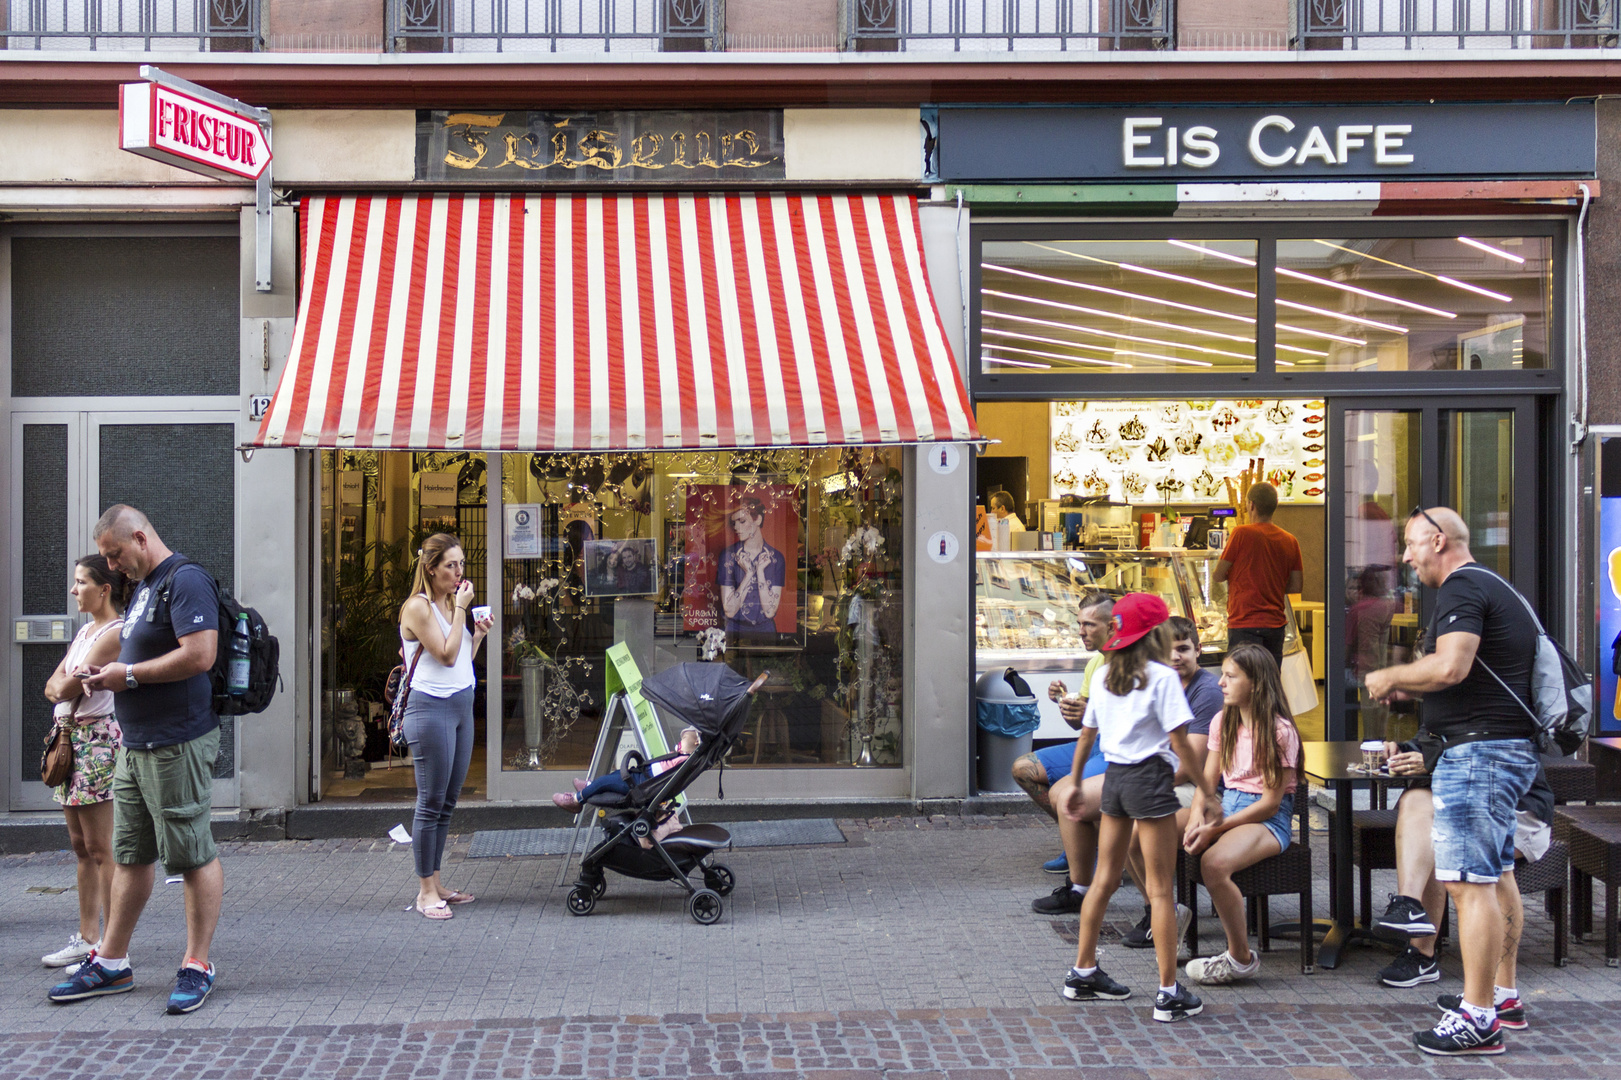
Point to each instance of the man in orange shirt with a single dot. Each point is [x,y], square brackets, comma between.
[1261,566]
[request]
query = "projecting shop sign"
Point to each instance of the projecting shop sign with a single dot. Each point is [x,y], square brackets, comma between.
[1178,144]
[177,129]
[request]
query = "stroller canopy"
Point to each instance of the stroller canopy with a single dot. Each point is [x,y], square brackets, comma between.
[711,697]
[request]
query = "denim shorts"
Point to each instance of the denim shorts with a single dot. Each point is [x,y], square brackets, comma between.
[1279,824]
[1476,787]
[1058,760]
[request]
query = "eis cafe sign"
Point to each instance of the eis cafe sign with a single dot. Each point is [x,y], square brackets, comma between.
[1187,144]
[177,129]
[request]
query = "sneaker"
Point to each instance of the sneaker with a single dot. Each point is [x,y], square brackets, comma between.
[1411,968]
[90,980]
[191,989]
[1510,1014]
[75,950]
[1456,1035]
[1096,985]
[1177,1005]
[1059,865]
[1223,969]
[1405,918]
[1141,936]
[1061,901]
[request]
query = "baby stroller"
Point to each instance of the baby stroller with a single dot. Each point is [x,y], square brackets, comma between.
[714,699]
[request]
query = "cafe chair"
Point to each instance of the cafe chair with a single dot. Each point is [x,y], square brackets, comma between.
[1289,872]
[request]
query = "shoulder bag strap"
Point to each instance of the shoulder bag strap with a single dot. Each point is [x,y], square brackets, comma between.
[1529,610]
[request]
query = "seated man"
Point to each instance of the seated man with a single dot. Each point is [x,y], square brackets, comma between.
[1037,772]
[1080,838]
[1414,911]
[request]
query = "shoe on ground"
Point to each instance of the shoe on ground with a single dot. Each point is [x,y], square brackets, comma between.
[1059,865]
[75,950]
[1510,1014]
[1061,901]
[1177,1005]
[1222,970]
[1141,936]
[191,988]
[1457,1036]
[1095,986]
[90,980]
[1411,968]
[1405,918]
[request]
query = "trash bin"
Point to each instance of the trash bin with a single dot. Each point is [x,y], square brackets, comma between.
[1005,709]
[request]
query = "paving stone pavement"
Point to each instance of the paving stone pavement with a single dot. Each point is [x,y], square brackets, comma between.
[909,952]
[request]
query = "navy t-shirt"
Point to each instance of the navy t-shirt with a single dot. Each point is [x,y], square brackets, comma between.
[166,714]
[1476,602]
[1204,698]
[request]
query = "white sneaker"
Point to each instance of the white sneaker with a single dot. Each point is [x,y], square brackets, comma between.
[1222,970]
[75,950]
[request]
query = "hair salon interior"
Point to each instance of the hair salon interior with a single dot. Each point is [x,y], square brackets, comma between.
[707,329]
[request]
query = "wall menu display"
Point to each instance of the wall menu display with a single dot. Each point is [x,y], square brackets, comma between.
[1157,452]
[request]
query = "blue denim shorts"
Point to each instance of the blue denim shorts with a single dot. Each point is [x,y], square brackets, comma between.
[1060,759]
[1476,787]
[1234,800]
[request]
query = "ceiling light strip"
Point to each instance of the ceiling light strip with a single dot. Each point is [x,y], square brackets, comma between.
[1123,294]
[1298,276]
[1100,313]
[1488,249]
[1113,335]
[1423,273]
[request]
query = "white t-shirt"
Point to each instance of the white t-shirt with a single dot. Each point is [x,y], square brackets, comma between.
[1134,728]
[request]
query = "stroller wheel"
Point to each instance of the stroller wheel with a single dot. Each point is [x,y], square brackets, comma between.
[600,890]
[720,878]
[581,900]
[704,906]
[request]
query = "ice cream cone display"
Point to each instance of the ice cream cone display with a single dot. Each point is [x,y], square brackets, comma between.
[1201,452]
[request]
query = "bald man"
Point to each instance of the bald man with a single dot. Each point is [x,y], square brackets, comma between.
[163,785]
[1474,678]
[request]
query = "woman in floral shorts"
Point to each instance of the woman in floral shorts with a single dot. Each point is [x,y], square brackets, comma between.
[86,798]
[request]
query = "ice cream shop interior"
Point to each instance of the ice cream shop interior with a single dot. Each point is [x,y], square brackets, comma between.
[1139,379]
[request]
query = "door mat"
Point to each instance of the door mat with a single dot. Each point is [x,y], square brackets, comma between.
[793,832]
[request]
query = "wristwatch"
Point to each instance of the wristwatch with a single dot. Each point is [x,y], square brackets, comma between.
[129,677]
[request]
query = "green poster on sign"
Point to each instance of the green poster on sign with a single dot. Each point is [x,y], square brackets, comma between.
[623,674]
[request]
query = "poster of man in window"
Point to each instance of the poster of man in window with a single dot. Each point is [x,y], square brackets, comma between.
[742,573]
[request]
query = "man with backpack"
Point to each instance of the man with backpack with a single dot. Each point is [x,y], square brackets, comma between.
[163,786]
[1476,681]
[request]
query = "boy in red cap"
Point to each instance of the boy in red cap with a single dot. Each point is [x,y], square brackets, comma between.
[1138,713]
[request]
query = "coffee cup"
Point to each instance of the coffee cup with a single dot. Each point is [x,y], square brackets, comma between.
[481,613]
[1373,754]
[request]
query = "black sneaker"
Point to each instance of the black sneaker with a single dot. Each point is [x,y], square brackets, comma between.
[1405,918]
[1141,936]
[1411,968]
[1061,901]
[1177,1005]
[1096,985]
[1457,1036]
[1510,1014]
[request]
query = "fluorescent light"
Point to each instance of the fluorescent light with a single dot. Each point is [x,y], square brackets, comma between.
[1013,363]
[1217,252]
[1052,355]
[1343,316]
[1297,275]
[1123,294]
[1473,288]
[1247,294]
[1488,249]
[1046,340]
[1099,312]
[1322,334]
[1423,273]
[1167,359]
[1111,335]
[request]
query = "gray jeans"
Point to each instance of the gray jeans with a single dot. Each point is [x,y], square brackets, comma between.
[440,731]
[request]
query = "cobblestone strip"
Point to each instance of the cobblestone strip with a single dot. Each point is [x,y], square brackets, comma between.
[1116,1041]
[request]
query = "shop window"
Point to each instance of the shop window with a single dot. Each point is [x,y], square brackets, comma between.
[1433,303]
[780,561]
[1118,306]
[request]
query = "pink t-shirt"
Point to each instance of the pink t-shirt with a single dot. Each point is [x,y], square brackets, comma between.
[1241,774]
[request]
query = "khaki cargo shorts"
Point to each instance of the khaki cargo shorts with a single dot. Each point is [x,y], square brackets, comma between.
[163,801]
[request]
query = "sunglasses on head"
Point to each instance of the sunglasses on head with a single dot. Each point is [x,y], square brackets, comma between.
[1419,511]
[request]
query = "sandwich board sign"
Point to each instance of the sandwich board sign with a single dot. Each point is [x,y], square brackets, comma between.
[179,129]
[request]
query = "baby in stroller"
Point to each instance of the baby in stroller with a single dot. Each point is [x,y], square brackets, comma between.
[620,782]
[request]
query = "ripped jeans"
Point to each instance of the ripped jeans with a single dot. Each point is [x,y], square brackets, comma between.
[1476,787]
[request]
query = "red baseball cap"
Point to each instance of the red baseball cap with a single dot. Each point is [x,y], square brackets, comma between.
[1136,614]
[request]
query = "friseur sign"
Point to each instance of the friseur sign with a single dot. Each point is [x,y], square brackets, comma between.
[1182,144]
[592,147]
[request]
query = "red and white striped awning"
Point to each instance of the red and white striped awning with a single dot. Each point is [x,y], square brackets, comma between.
[604,322]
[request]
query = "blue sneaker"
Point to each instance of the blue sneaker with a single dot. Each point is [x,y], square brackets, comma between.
[191,989]
[1059,865]
[90,980]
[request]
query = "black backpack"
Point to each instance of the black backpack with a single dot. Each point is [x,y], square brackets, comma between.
[264,651]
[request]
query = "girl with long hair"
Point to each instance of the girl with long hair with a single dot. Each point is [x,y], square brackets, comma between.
[1255,762]
[439,646]
[1139,715]
[87,798]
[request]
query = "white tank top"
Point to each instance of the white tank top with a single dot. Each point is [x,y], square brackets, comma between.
[433,678]
[99,702]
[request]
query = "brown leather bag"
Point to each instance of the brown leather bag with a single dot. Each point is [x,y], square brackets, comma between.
[56,763]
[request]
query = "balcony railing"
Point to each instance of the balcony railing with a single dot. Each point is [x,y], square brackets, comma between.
[1457,24]
[553,25]
[1006,25]
[130,25]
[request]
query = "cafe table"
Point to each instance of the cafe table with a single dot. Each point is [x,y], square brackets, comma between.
[1339,765]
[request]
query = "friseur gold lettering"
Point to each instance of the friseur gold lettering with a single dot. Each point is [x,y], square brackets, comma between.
[607,143]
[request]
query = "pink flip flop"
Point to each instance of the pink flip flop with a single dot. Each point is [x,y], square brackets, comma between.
[456,897]
[437,912]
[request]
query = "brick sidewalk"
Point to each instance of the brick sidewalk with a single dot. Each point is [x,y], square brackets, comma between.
[908,952]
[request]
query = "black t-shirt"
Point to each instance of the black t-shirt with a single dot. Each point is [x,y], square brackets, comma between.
[167,714]
[1475,601]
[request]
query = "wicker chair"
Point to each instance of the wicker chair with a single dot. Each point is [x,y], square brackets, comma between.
[1289,872]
